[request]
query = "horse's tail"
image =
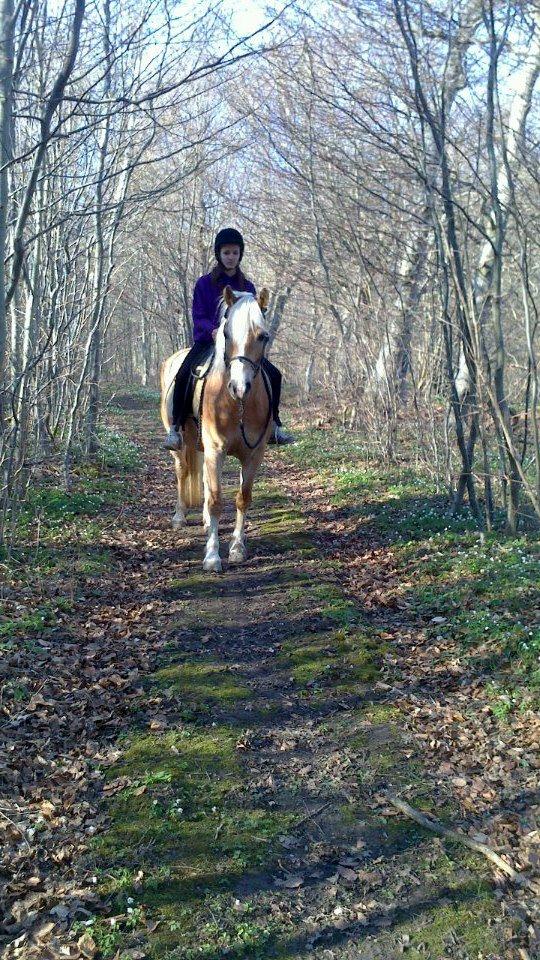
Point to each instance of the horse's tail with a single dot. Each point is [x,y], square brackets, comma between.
[191,479]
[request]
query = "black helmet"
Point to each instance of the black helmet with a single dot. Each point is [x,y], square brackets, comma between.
[228,236]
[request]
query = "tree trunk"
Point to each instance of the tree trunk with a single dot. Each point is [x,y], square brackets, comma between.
[394,359]
[507,165]
[7,28]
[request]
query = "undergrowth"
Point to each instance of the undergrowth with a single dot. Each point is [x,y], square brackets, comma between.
[481,592]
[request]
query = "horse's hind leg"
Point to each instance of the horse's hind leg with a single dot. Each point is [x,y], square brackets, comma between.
[179,518]
[238,549]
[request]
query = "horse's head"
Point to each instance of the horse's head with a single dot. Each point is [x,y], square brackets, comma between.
[242,336]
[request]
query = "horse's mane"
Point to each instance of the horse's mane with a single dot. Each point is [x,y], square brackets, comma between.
[242,297]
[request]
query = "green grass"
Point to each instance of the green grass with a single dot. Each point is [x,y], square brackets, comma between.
[134,397]
[487,592]
[57,534]
[486,588]
[117,451]
[335,606]
[56,507]
[326,449]
[464,914]
[36,622]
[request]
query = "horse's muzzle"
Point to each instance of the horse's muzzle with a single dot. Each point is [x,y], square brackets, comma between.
[239,391]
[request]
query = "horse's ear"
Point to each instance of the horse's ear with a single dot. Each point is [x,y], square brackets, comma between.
[229,296]
[264,298]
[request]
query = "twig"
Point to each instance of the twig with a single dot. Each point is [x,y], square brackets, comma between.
[310,816]
[457,836]
[219,829]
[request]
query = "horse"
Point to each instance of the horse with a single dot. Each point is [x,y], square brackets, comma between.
[234,417]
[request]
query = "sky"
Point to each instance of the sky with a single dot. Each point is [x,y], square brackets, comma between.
[248,15]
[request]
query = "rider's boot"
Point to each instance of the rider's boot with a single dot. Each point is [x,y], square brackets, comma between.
[173,440]
[280,436]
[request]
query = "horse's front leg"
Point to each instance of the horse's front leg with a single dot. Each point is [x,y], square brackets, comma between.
[213,465]
[238,550]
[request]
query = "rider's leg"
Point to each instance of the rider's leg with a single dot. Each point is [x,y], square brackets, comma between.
[183,394]
[274,375]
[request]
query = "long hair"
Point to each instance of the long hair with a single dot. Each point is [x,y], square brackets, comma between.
[240,282]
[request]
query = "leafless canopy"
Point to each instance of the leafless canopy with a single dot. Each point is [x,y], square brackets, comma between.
[381,159]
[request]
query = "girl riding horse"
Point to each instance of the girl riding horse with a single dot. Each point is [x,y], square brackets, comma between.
[229,250]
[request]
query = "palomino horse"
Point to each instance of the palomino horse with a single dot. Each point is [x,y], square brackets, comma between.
[235,418]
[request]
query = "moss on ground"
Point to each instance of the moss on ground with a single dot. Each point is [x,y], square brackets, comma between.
[283,528]
[339,660]
[186,824]
[202,683]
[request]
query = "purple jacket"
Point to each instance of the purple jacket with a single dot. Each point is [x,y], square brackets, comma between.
[206,297]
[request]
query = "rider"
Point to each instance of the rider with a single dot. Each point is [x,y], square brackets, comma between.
[229,250]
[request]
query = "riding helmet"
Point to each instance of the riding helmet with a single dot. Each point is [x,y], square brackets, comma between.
[228,236]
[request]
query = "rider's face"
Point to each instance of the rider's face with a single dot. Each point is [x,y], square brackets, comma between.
[230,256]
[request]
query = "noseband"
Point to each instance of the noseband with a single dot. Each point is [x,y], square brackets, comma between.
[256,366]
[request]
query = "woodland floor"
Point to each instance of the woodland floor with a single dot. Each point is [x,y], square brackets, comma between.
[198,765]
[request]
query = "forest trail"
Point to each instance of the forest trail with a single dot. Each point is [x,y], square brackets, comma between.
[235,742]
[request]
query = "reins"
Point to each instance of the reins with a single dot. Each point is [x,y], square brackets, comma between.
[265,428]
[203,376]
[257,368]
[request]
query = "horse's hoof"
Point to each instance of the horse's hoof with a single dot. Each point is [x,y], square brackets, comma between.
[237,553]
[212,565]
[178,522]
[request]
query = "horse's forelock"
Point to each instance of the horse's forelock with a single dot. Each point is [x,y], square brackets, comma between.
[240,311]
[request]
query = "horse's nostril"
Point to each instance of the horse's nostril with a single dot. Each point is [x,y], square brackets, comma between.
[230,386]
[247,387]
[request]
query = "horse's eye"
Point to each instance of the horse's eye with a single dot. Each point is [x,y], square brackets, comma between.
[263,337]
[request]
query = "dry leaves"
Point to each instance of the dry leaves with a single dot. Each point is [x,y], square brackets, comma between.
[490,772]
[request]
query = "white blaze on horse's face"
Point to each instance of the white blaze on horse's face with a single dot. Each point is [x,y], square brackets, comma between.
[245,339]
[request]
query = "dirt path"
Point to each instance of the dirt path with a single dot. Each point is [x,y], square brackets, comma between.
[247,749]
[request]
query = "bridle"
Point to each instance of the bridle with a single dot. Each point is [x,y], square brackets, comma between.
[251,363]
[256,367]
